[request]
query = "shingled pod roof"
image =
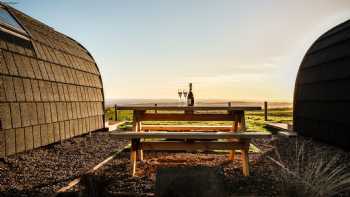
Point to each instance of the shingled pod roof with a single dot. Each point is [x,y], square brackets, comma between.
[322,89]
[50,86]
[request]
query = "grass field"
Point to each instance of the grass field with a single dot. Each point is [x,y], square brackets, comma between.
[255,119]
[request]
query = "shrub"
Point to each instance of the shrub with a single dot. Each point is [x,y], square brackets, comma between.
[311,173]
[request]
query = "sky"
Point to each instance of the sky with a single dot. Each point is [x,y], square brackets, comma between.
[228,49]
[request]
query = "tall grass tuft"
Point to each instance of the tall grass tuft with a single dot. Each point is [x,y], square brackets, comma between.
[311,173]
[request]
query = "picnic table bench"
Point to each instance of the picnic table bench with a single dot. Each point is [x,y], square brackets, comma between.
[185,128]
[191,142]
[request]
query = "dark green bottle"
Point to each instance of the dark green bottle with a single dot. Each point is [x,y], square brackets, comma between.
[190,97]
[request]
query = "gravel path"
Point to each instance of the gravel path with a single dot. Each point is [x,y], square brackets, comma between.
[42,171]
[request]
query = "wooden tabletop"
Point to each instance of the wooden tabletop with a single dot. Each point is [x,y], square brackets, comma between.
[178,108]
[189,135]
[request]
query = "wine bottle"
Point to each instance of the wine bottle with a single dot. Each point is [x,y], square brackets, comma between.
[190,98]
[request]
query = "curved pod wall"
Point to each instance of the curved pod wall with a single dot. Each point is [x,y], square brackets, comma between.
[50,87]
[322,89]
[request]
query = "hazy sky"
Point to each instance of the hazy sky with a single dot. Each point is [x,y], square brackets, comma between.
[229,49]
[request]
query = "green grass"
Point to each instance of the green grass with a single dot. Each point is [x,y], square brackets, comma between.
[255,119]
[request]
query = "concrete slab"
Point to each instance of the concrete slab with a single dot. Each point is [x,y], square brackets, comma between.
[190,182]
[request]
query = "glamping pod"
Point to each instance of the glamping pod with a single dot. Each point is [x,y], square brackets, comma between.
[50,86]
[322,89]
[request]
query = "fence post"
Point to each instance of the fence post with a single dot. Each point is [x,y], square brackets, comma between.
[115,112]
[265,109]
[229,104]
[155,111]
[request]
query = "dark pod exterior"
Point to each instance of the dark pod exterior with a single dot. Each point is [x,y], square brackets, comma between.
[50,86]
[322,89]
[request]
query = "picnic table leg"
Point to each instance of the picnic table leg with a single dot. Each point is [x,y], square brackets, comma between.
[133,156]
[234,129]
[242,123]
[140,151]
[137,128]
[245,150]
[245,159]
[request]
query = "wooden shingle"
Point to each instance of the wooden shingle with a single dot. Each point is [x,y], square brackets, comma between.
[36,90]
[22,71]
[3,68]
[33,114]
[19,88]
[9,89]
[43,90]
[43,70]
[47,109]
[2,144]
[20,141]
[53,112]
[62,131]
[71,128]
[5,116]
[28,90]
[25,61]
[36,68]
[56,96]
[10,138]
[44,134]
[36,136]
[15,115]
[25,114]
[50,134]
[2,90]
[56,131]
[28,136]
[10,63]
[41,113]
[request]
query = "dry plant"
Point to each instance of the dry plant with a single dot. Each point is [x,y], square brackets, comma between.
[311,173]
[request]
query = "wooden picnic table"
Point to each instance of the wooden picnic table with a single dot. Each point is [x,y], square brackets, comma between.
[185,113]
[235,114]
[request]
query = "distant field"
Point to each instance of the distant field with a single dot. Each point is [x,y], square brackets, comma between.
[255,119]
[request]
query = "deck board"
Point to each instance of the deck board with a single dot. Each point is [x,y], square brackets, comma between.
[275,125]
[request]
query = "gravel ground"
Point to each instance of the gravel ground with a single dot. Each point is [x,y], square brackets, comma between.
[118,180]
[42,171]
[263,180]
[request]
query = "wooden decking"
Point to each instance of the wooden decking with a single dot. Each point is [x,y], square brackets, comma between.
[279,126]
[283,129]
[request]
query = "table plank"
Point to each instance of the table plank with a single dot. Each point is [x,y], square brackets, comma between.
[205,146]
[185,128]
[190,135]
[186,117]
[194,108]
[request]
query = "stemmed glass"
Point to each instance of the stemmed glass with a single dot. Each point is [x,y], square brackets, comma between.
[184,92]
[179,92]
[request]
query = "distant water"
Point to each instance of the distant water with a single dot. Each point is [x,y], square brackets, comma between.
[199,102]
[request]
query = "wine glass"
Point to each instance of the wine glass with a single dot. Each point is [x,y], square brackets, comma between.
[179,92]
[184,92]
